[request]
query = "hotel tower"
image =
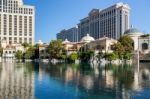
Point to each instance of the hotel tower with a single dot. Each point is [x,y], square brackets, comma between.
[111,22]
[16,22]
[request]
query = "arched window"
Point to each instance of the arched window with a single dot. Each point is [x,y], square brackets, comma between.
[144,46]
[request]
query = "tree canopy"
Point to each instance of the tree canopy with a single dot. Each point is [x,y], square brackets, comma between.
[55,49]
[73,56]
[19,55]
[25,45]
[127,43]
[111,56]
[29,53]
[119,49]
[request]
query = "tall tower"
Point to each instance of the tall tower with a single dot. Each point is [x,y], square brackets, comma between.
[114,20]
[17,22]
[110,22]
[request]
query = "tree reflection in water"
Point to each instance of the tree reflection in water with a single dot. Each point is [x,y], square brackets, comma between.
[112,80]
[83,81]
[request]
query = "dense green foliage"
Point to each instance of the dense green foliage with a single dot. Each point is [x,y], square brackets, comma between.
[73,56]
[1,50]
[127,43]
[111,56]
[19,55]
[36,51]
[145,35]
[100,55]
[127,56]
[124,48]
[119,50]
[32,52]
[55,49]
[29,53]
[86,56]
[25,45]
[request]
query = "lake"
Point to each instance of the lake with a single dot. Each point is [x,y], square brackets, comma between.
[72,81]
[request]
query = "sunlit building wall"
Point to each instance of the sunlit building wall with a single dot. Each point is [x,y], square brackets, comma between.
[110,22]
[16,22]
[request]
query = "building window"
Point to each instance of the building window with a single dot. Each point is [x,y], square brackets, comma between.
[30,40]
[5,38]
[25,25]
[15,25]
[15,40]
[25,39]
[20,40]
[5,24]
[10,40]
[20,25]
[144,46]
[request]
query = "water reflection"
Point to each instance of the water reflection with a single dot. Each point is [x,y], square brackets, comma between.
[84,81]
[118,82]
[16,81]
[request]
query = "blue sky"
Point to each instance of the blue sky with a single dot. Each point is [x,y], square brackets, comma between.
[55,15]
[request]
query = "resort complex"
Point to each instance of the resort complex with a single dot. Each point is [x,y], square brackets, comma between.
[98,32]
[140,44]
[100,57]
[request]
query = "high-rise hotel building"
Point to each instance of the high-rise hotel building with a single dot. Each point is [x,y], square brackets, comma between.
[70,34]
[16,22]
[110,22]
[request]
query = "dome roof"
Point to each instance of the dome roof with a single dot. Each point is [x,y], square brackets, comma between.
[87,39]
[131,31]
[40,42]
[66,41]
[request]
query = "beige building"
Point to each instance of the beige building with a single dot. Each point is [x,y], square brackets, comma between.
[71,47]
[43,51]
[10,50]
[103,44]
[141,40]
[16,22]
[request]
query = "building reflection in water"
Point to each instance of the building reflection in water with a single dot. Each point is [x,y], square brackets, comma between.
[16,81]
[119,82]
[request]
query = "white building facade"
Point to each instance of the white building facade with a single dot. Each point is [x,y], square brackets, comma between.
[16,22]
[110,22]
[141,41]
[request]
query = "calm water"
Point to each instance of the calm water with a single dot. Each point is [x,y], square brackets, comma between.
[70,81]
